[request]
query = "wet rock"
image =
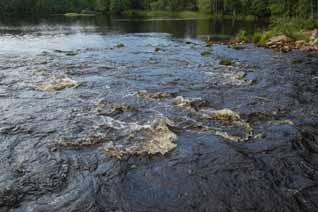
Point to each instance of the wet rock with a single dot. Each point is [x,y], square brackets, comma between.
[300,43]
[314,34]
[57,85]
[154,95]
[226,62]
[205,53]
[278,39]
[297,61]
[120,45]
[236,46]
[286,48]
[209,41]
[195,103]
[240,75]
[107,108]
[68,53]
[309,48]
[223,115]
[280,42]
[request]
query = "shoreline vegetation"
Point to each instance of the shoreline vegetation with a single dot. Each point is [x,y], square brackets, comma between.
[185,14]
[293,22]
[283,34]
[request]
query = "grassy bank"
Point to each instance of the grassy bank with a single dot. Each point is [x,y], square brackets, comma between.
[294,28]
[79,14]
[291,27]
[165,14]
[181,14]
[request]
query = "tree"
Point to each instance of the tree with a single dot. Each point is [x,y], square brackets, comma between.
[205,5]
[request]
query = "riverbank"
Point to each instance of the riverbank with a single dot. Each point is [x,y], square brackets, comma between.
[284,35]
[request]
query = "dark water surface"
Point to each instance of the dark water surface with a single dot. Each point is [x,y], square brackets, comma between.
[127,115]
[180,28]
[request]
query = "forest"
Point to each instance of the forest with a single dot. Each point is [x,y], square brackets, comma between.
[257,8]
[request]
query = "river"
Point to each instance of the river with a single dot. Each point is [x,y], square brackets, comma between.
[102,114]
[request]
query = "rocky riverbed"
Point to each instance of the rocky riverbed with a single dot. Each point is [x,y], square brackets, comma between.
[147,122]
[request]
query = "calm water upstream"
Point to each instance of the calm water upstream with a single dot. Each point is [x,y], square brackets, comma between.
[180,28]
[102,114]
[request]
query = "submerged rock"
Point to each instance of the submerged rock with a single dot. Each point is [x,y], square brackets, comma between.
[120,45]
[237,46]
[226,62]
[205,53]
[68,53]
[120,138]
[223,115]
[154,138]
[154,95]
[194,103]
[107,108]
[240,75]
[57,85]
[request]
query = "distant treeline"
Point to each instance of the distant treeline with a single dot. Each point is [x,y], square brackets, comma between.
[258,8]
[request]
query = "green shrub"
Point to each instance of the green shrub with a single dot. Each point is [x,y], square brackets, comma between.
[242,36]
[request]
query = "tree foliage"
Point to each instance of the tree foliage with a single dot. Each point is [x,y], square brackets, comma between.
[260,8]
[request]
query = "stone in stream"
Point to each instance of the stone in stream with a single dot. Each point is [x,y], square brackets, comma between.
[57,85]
[120,45]
[240,75]
[106,108]
[67,53]
[280,43]
[226,62]
[194,103]
[205,53]
[154,95]
[223,115]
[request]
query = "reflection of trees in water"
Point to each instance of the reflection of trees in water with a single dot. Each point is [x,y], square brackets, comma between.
[218,28]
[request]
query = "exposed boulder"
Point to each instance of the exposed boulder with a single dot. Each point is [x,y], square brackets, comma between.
[280,43]
[300,43]
[279,39]
[314,34]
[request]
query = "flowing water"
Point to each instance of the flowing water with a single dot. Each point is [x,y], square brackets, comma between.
[105,114]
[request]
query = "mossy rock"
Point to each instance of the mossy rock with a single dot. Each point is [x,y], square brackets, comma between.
[120,45]
[297,61]
[205,53]
[236,46]
[226,62]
